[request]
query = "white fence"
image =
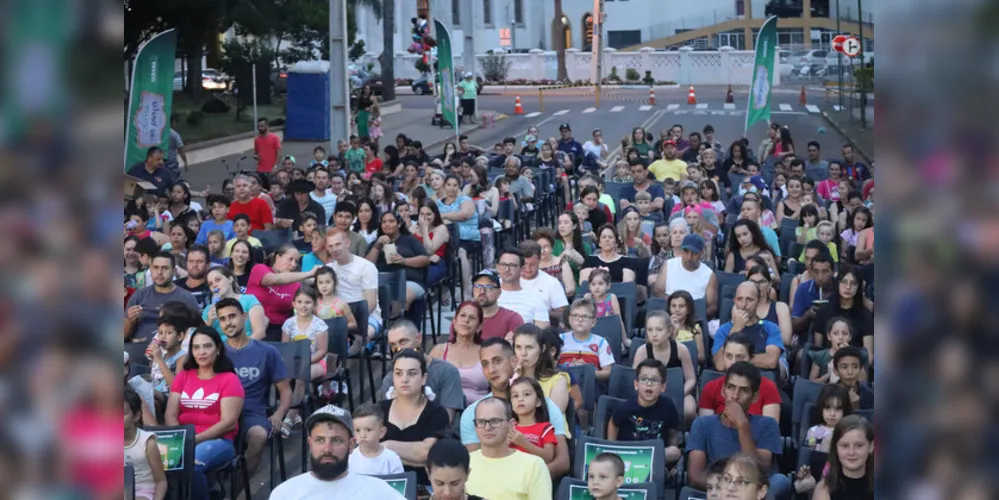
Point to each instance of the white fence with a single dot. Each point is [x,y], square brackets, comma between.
[685,66]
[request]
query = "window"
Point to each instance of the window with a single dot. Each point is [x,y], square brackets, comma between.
[487,12]
[455,12]
[623,38]
[518,11]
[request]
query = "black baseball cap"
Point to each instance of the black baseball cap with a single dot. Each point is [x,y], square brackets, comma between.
[564,126]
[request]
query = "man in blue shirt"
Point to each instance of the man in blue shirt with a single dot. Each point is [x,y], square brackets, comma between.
[852,168]
[814,293]
[259,366]
[568,145]
[715,437]
[767,342]
[153,171]
[642,182]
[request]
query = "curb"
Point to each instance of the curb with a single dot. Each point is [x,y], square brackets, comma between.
[498,117]
[229,138]
[863,153]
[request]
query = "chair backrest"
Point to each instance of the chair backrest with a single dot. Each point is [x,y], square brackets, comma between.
[725,310]
[707,376]
[814,459]
[270,240]
[641,267]
[573,489]
[700,310]
[129,482]
[586,377]
[395,284]
[868,414]
[337,338]
[728,292]
[178,459]
[609,327]
[805,391]
[137,369]
[505,211]
[688,493]
[627,297]
[730,279]
[360,311]
[674,389]
[297,359]
[692,348]
[785,287]
[605,410]
[613,189]
[404,483]
[137,352]
[621,383]
[644,461]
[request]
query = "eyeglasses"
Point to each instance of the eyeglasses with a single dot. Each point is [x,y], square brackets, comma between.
[580,317]
[479,286]
[490,423]
[508,265]
[760,282]
[650,380]
[727,480]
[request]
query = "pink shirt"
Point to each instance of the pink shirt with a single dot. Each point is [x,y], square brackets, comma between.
[88,439]
[201,400]
[828,190]
[275,299]
[267,147]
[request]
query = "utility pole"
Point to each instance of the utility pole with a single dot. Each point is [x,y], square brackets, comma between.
[597,54]
[839,55]
[339,90]
[511,14]
[863,89]
[467,28]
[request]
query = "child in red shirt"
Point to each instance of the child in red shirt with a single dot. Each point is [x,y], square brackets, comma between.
[533,433]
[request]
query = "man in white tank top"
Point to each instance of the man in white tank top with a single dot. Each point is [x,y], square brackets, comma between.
[688,273]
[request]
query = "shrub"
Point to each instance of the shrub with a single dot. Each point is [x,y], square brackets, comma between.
[195,118]
[495,67]
[356,51]
[632,75]
[613,75]
[648,80]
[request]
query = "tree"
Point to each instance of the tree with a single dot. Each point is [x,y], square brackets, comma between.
[387,58]
[563,71]
[306,39]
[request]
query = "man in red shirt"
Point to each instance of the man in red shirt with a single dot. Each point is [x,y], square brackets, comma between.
[266,147]
[261,217]
[497,321]
[739,347]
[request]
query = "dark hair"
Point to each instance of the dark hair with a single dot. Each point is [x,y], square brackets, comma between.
[151,151]
[738,144]
[346,206]
[183,187]
[717,467]
[241,217]
[844,270]
[743,340]
[227,272]
[217,198]
[613,229]
[611,458]
[375,216]
[691,322]
[229,302]
[854,194]
[714,189]
[817,245]
[249,248]
[403,229]
[369,410]
[411,354]
[166,255]
[588,190]
[306,216]
[806,211]
[656,248]
[322,271]
[432,206]
[747,370]
[179,322]
[202,249]
[834,478]
[448,453]
[653,363]
[222,362]
[755,231]
[823,258]
[541,412]
[529,248]
[189,235]
[134,403]
[500,341]
[511,251]
[862,210]
[477,336]
[547,365]
[758,269]
[577,233]
[828,392]
[280,251]
[847,352]
[179,310]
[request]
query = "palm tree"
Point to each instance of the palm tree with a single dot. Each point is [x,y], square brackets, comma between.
[563,72]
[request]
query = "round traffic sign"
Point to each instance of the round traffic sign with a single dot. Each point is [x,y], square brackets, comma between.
[851,47]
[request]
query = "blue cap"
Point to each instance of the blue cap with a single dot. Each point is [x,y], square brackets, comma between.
[758,182]
[693,243]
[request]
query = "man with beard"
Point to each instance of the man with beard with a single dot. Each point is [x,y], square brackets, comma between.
[497,322]
[687,272]
[142,312]
[323,195]
[669,166]
[197,270]
[331,439]
[519,185]
[498,365]
[258,366]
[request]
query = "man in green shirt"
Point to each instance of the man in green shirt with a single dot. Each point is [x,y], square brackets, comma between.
[468,89]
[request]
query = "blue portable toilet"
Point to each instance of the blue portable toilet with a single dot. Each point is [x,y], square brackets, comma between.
[308,102]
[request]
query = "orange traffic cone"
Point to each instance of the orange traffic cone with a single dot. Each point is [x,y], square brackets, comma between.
[802,100]
[652,96]
[691,98]
[517,108]
[728,97]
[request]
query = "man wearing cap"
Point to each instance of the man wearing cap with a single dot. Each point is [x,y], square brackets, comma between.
[496,321]
[468,90]
[687,272]
[290,210]
[287,164]
[568,145]
[690,195]
[669,166]
[531,148]
[331,440]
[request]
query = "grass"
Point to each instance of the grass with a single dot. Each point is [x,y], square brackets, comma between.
[215,126]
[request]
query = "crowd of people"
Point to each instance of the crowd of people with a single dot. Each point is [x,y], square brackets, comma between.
[704,296]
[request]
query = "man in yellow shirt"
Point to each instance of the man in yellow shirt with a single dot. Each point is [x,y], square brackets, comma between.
[669,166]
[499,472]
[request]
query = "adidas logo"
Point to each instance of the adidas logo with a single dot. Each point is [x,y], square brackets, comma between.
[198,400]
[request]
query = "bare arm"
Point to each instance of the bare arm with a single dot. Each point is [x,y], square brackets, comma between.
[687,364]
[559,394]
[603,374]
[784,322]
[699,341]
[560,465]
[231,408]
[278,279]
[172,410]
[627,275]
[697,464]
[568,280]
[413,454]
[612,430]
[258,322]
[729,262]
[862,253]
[322,346]
[814,374]
[767,360]
[465,212]
[432,240]
[347,313]
[371,296]
[711,298]
[156,467]
[284,398]
[821,491]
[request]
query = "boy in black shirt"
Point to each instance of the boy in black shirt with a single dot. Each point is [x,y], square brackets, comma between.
[848,365]
[649,415]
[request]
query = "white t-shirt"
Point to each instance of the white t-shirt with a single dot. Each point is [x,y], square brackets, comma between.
[307,487]
[549,290]
[354,278]
[597,149]
[526,304]
[387,462]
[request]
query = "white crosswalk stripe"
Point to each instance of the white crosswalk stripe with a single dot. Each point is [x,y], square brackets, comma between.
[785,107]
[729,105]
[560,112]
[589,110]
[702,105]
[532,115]
[645,107]
[812,108]
[836,107]
[616,109]
[672,107]
[703,108]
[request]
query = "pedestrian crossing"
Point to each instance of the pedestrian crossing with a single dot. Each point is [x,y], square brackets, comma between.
[703,108]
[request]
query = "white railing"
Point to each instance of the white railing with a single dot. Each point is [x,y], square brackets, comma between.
[685,66]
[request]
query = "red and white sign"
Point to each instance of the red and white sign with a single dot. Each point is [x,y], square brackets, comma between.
[837,43]
[848,45]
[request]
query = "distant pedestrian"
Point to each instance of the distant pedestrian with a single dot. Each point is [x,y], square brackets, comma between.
[266,147]
[468,89]
[175,148]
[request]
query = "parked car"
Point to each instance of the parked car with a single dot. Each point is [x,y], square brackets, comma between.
[279,81]
[421,86]
[211,79]
[815,56]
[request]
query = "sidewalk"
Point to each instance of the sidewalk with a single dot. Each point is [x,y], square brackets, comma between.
[862,139]
[207,167]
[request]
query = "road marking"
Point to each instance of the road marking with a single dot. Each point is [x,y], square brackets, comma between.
[785,107]
[812,108]
[646,125]
[836,107]
[672,107]
[589,110]
[560,112]
[532,115]
[789,113]
[702,105]
[645,107]
[729,105]
[615,109]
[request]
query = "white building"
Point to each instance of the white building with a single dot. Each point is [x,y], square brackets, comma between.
[531,24]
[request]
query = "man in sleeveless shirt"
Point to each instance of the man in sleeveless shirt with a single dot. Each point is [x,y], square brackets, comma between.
[687,272]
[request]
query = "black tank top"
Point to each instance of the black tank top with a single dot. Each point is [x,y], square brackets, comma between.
[674,358]
[772,314]
[853,489]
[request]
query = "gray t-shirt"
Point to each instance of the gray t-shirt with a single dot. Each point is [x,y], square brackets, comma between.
[151,302]
[522,187]
[818,171]
[442,378]
[173,146]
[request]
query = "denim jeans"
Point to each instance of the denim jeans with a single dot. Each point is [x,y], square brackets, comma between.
[208,456]
[780,487]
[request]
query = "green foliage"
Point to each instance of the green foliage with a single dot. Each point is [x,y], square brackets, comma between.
[495,67]
[613,75]
[632,75]
[648,80]
[195,118]
[356,50]
[865,77]
[237,52]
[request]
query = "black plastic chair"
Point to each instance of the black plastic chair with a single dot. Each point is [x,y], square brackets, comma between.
[571,488]
[339,371]
[805,391]
[605,410]
[129,482]
[621,383]
[179,467]
[404,483]
[270,240]
[586,377]
[297,358]
[588,447]
[609,327]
